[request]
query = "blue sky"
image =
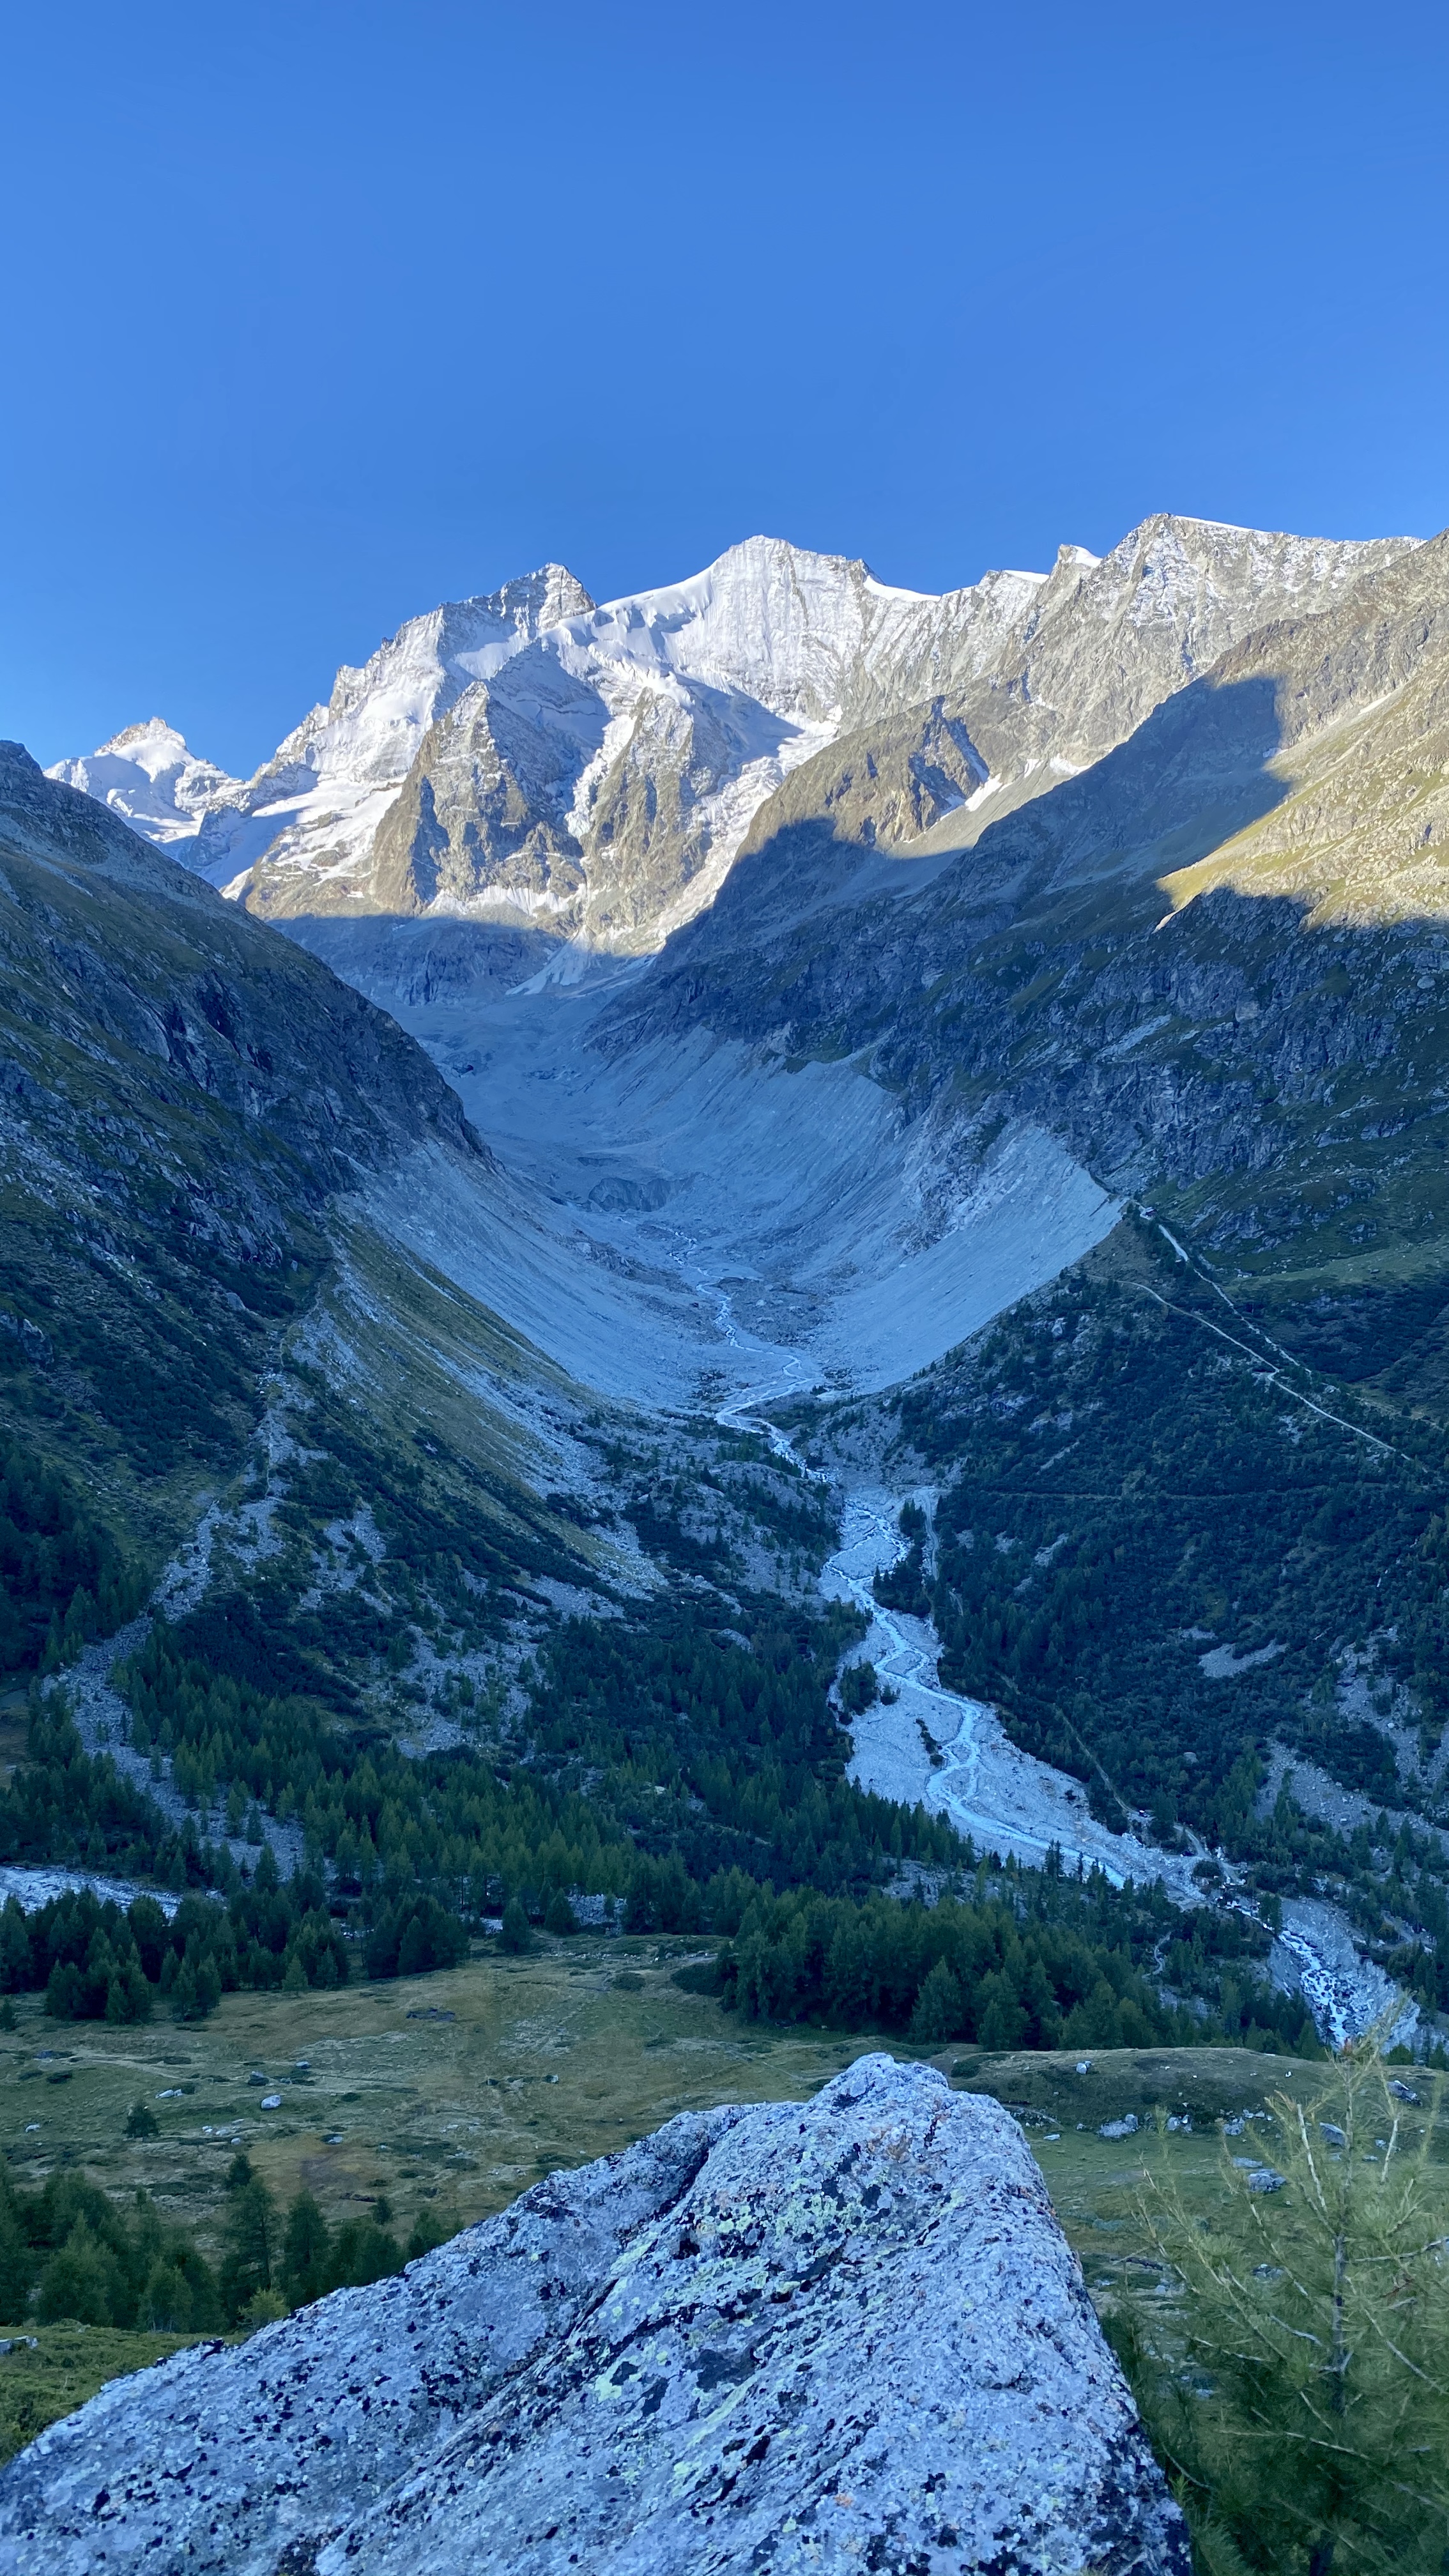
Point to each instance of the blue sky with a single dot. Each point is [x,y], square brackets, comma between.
[318,313]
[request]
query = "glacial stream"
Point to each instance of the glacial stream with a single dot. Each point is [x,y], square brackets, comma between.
[952,1754]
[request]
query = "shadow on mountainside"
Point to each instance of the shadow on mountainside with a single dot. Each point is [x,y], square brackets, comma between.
[1277,1091]
[1285,1090]
[1193,775]
[401,961]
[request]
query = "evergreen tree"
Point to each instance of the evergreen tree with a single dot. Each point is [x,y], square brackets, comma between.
[166,2298]
[305,2251]
[250,2238]
[16,2264]
[940,2012]
[1000,2016]
[361,2252]
[82,2281]
[1306,2423]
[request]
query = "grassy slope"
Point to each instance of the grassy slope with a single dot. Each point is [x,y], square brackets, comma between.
[454,2092]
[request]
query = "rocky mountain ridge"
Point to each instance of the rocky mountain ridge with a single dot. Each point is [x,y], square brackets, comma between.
[531,763]
[1184,960]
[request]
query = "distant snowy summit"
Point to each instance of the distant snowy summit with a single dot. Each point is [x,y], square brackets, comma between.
[532,761]
[147,775]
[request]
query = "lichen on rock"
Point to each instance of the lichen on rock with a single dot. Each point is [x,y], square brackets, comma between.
[840,2334]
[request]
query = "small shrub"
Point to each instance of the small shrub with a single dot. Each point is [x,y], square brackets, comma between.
[263,2308]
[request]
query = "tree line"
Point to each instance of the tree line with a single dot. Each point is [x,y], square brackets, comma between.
[1032,1960]
[71,2252]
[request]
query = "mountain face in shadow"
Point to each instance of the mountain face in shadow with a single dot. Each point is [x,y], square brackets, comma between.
[184,1097]
[1211,963]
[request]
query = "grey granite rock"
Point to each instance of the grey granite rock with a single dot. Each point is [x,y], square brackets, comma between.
[834,2335]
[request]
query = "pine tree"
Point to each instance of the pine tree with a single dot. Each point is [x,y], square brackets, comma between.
[166,2298]
[82,2281]
[305,2251]
[1000,2018]
[16,2263]
[940,2012]
[1304,2411]
[250,2232]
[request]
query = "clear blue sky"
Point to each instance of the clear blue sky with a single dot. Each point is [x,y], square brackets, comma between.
[317,313]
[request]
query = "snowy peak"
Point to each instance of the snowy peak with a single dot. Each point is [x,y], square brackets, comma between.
[370,728]
[531,759]
[147,775]
[315,806]
[767,620]
[803,634]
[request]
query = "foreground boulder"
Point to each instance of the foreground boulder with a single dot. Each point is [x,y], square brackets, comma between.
[841,2334]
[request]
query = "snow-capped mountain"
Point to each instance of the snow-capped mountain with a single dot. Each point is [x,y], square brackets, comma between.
[534,761]
[315,805]
[605,780]
[310,815]
[148,776]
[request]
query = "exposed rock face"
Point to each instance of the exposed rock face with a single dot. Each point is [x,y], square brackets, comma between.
[314,807]
[1213,957]
[182,1095]
[1094,648]
[843,2334]
[532,763]
[114,950]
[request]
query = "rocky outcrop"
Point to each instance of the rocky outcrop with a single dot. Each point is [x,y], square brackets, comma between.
[845,2334]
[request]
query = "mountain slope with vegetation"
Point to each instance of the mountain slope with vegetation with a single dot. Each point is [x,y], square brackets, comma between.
[450,1624]
[182,1096]
[1189,1534]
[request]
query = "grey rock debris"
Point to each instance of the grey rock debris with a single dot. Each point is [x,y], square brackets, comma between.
[846,2333]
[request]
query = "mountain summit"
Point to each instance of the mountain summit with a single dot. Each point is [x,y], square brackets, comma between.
[147,775]
[532,762]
